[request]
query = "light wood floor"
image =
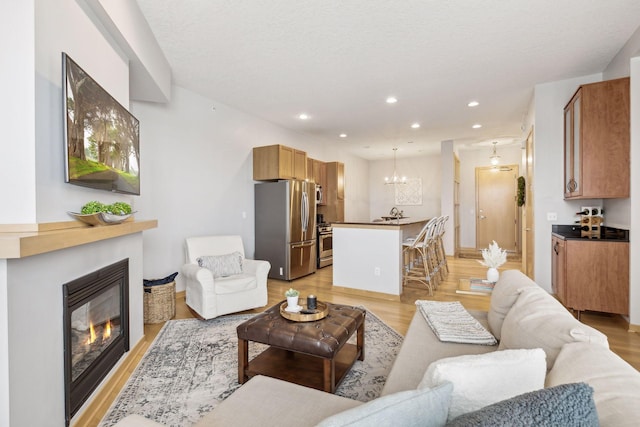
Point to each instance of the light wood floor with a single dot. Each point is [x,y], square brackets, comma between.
[395,313]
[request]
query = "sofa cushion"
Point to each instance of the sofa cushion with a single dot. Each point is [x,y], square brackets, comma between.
[616,384]
[504,295]
[564,405]
[480,380]
[222,265]
[420,348]
[538,320]
[424,407]
[265,401]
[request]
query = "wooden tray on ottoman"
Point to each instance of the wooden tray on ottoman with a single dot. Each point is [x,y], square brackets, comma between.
[320,313]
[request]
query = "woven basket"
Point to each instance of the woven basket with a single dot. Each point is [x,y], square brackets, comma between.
[159,302]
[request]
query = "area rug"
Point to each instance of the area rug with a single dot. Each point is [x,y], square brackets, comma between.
[193,365]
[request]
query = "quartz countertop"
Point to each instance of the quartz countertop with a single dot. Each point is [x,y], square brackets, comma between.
[607,234]
[379,224]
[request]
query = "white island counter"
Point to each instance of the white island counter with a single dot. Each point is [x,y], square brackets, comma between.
[368,255]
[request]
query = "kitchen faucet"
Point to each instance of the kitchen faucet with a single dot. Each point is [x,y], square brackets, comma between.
[395,212]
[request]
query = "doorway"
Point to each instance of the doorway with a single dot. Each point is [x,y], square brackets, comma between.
[496,207]
[527,234]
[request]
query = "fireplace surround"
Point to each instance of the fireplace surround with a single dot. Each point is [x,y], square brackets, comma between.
[96,330]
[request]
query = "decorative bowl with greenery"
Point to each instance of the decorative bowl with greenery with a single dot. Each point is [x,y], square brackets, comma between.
[97,213]
[117,208]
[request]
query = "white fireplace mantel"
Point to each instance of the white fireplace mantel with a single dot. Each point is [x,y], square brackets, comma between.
[20,240]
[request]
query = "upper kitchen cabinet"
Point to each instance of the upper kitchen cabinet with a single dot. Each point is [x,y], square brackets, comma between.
[333,207]
[596,141]
[335,181]
[317,171]
[274,162]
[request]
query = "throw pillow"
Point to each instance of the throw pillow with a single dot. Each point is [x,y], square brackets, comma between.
[422,407]
[565,405]
[222,265]
[505,292]
[482,379]
[538,320]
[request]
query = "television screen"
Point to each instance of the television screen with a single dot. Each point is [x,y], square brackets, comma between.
[102,139]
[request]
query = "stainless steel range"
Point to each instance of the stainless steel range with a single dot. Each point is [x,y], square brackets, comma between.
[325,245]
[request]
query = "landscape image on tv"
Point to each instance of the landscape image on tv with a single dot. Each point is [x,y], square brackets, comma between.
[102,137]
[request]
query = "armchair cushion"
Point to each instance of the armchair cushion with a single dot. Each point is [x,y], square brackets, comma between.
[222,265]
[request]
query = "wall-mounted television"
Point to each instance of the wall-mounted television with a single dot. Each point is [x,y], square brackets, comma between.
[102,138]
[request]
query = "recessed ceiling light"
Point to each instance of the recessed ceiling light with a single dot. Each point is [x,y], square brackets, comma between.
[392,100]
[473,104]
[477,126]
[303,116]
[343,135]
[415,125]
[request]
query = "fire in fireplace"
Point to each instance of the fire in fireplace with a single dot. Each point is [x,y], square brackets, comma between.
[96,330]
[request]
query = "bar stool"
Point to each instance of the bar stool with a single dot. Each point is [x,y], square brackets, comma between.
[418,260]
[441,256]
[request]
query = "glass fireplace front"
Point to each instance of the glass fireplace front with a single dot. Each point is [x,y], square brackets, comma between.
[96,330]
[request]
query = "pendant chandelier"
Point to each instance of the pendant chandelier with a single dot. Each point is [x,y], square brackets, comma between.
[395,179]
[494,158]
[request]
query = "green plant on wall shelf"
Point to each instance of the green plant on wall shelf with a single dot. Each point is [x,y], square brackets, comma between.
[521,190]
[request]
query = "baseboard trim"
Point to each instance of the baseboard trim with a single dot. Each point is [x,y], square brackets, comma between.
[634,328]
[368,294]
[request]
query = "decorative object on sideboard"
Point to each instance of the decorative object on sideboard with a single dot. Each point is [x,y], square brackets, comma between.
[493,257]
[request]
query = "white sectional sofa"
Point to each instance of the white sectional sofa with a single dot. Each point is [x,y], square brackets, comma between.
[524,318]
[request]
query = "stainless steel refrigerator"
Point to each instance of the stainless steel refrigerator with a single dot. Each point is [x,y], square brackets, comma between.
[285,222]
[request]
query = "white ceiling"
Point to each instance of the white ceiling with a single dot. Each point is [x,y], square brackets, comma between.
[338,60]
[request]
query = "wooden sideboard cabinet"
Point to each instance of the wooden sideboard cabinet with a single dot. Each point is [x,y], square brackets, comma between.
[558,268]
[274,162]
[591,275]
[597,141]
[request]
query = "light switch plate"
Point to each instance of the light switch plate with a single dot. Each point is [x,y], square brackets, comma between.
[552,216]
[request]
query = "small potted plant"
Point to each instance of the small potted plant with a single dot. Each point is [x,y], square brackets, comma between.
[292,298]
[493,258]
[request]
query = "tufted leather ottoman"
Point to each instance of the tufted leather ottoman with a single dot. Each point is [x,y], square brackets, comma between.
[315,354]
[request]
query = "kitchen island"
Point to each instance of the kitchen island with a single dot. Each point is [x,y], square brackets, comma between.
[367,255]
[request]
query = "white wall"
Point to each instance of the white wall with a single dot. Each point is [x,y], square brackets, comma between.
[197,174]
[62,26]
[469,161]
[382,196]
[17,149]
[33,189]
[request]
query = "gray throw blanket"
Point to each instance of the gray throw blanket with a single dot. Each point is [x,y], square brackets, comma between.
[452,323]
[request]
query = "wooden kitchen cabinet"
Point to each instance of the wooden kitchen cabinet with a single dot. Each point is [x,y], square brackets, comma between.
[316,171]
[591,275]
[558,269]
[597,141]
[333,208]
[274,162]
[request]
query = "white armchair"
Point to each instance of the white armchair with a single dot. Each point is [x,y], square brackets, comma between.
[210,296]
